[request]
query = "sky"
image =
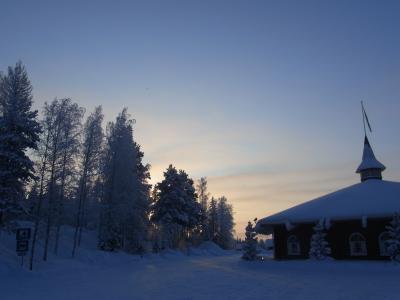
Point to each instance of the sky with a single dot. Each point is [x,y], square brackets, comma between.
[261,97]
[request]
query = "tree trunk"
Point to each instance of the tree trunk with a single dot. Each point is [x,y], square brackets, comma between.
[82,219]
[49,212]
[78,215]
[82,196]
[39,205]
[51,190]
[61,201]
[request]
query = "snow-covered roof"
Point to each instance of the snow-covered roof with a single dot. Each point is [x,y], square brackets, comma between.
[369,160]
[371,198]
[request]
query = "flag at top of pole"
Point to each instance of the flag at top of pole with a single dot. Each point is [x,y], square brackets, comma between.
[365,119]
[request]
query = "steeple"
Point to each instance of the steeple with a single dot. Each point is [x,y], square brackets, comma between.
[370,167]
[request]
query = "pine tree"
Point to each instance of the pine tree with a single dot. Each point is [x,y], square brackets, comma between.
[203,195]
[225,224]
[319,247]
[176,210]
[19,132]
[250,251]
[126,193]
[212,217]
[393,243]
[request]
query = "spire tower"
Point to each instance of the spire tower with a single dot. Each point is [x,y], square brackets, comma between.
[370,167]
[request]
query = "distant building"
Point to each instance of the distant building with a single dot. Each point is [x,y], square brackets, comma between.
[355,217]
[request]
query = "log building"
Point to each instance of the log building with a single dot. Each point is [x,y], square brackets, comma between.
[355,217]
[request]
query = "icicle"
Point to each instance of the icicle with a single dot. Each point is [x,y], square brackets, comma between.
[289,226]
[364,221]
[327,223]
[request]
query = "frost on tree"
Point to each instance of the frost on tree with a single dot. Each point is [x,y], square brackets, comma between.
[19,131]
[203,195]
[90,159]
[212,219]
[176,211]
[220,222]
[250,251]
[393,244]
[319,247]
[226,223]
[125,201]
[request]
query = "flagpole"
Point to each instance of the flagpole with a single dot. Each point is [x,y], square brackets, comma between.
[363,115]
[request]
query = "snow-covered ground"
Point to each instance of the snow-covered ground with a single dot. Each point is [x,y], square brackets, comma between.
[207,273]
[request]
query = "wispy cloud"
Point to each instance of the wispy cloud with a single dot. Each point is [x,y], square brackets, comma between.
[263,193]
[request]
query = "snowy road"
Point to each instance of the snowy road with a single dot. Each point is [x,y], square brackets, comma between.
[201,277]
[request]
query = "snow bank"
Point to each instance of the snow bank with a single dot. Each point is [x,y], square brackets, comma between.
[208,248]
[88,254]
[204,274]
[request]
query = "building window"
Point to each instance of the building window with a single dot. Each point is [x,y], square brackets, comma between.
[293,245]
[358,245]
[383,243]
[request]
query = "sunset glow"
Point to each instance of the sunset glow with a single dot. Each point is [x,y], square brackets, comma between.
[262,98]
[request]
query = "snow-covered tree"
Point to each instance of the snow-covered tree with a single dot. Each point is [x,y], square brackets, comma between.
[393,244]
[53,112]
[67,165]
[138,225]
[203,195]
[225,224]
[19,132]
[126,192]
[220,222]
[175,209]
[90,157]
[319,246]
[212,219]
[202,192]
[65,119]
[55,167]
[41,166]
[250,251]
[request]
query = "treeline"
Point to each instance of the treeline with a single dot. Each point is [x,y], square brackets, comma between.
[65,169]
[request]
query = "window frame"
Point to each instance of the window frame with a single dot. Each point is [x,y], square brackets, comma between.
[383,249]
[363,244]
[291,240]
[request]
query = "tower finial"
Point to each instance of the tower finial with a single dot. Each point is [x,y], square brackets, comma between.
[365,119]
[370,167]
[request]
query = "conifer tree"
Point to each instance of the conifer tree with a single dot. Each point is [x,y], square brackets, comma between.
[319,247]
[176,210]
[250,251]
[225,223]
[212,217]
[19,132]
[203,195]
[393,244]
[126,192]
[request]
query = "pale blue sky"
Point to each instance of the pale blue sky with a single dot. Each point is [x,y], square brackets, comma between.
[263,97]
